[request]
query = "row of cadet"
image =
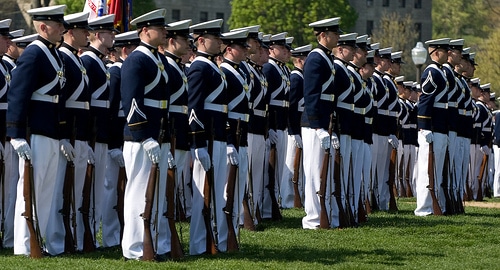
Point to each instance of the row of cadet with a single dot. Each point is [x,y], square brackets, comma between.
[342,134]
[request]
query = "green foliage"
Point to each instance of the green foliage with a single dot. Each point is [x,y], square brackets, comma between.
[399,33]
[292,16]
[386,241]
[488,60]
[72,6]
[456,19]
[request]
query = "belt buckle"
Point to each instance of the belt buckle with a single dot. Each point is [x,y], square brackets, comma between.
[163,104]
[224,108]
[55,99]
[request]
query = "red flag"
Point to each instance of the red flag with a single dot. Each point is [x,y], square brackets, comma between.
[116,7]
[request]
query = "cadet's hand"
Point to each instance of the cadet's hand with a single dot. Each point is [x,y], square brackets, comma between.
[67,149]
[427,135]
[393,141]
[152,148]
[485,150]
[297,140]
[232,155]
[170,160]
[324,138]
[117,156]
[22,148]
[335,141]
[201,154]
[273,136]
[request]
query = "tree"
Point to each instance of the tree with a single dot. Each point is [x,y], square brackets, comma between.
[488,60]
[460,18]
[400,34]
[292,16]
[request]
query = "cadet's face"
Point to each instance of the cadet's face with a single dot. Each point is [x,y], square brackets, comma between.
[254,45]
[238,52]
[454,57]
[396,68]
[211,44]
[107,38]
[264,56]
[80,36]
[347,53]
[4,44]
[54,31]
[331,39]
[180,44]
[367,71]
[279,52]
[360,56]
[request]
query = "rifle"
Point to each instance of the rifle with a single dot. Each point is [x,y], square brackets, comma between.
[297,202]
[343,216]
[482,169]
[176,251]
[120,192]
[211,247]
[68,200]
[430,169]
[401,187]
[232,242]
[275,214]
[248,221]
[445,185]
[393,207]
[148,251]
[88,238]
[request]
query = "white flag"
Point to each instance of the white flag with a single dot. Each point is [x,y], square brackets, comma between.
[96,8]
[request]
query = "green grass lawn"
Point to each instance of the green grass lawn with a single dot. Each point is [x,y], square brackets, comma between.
[386,241]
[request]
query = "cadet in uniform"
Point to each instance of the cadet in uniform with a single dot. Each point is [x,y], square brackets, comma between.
[238,110]
[278,79]
[124,44]
[77,106]
[319,104]
[37,104]
[484,119]
[176,47]
[432,125]
[10,161]
[145,99]
[101,39]
[299,56]
[13,52]
[207,103]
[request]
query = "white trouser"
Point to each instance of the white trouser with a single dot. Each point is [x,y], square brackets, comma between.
[424,200]
[458,163]
[138,167]
[313,156]
[476,158]
[281,146]
[496,179]
[366,167]
[183,180]
[110,221]
[381,153]
[80,161]
[464,165]
[48,177]
[239,187]
[197,231]
[409,161]
[98,187]
[355,183]
[286,186]
[256,154]
[9,192]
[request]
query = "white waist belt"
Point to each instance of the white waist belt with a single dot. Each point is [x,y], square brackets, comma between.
[179,109]
[369,120]
[100,103]
[45,98]
[475,125]
[347,106]
[359,110]
[464,112]
[441,105]
[327,97]
[280,103]
[159,104]
[453,104]
[121,113]
[242,116]
[77,104]
[4,106]
[261,113]
[408,126]
[215,107]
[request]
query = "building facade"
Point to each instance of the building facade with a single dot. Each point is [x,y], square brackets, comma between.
[370,12]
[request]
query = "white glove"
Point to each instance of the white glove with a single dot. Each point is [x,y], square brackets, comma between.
[2,151]
[232,155]
[22,148]
[67,149]
[335,141]
[91,156]
[117,156]
[485,150]
[152,148]
[170,160]
[324,138]
[273,136]
[393,141]
[201,154]
[297,140]
[427,134]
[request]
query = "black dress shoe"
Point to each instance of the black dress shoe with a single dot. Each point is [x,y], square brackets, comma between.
[162,257]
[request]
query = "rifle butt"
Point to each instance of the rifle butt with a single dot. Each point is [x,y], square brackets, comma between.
[297,202]
[247,215]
